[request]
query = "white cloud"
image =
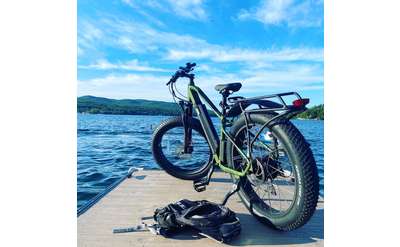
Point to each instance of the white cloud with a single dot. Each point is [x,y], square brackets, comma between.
[227,54]
[88,35]
[132,65]
[261,70]
[286,77]
[89,31]
[139,38]
[137,6]
[193,9]
[292,13]
[128,79]
[270,12]
[190,9]
[131,86]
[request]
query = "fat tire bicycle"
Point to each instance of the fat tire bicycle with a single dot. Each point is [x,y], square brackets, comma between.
[270,162]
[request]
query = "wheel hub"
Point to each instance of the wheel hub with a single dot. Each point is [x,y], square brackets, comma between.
[264,169]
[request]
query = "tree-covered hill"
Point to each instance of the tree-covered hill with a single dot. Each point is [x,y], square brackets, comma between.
[315,112]
[98,105]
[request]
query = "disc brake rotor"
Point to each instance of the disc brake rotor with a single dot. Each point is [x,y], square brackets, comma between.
[264,169]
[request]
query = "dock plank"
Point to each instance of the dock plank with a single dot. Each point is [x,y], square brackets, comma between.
[139,195]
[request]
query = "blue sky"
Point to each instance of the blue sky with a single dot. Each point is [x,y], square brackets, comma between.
[130,48]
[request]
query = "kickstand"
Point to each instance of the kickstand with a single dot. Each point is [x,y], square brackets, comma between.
[235,188]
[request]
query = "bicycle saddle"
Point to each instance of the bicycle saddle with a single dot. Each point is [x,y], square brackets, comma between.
[234,87]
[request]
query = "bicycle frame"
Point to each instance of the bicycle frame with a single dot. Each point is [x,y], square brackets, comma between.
[217,145]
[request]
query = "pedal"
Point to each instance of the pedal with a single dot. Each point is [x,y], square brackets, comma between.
[200,185]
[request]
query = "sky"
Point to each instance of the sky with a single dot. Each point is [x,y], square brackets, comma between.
[128,49]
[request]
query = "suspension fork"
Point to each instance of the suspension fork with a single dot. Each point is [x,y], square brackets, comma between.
[187,113]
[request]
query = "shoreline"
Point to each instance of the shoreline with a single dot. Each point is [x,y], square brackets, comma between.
[161,115]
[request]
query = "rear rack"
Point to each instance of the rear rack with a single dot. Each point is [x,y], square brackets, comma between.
[283,106]
[279,96]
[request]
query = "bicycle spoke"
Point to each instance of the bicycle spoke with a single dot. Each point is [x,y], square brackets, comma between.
[279,187]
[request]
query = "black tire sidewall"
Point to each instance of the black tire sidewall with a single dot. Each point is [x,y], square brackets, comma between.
[295,211]
[164,163]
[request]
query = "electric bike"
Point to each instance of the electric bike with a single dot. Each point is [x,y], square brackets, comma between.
[270,162]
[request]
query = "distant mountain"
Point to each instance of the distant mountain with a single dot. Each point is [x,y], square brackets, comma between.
[99,105]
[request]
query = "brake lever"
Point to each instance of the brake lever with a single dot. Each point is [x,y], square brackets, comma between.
[171,80]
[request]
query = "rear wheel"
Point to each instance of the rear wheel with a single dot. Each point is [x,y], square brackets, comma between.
[282,187]
[168,146]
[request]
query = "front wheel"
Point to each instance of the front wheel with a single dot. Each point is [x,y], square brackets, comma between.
[168,146]
[281,189]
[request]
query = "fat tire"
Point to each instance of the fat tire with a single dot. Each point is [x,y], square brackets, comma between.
[301,155]
[164,163]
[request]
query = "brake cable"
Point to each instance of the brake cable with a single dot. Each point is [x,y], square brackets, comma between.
[183,97]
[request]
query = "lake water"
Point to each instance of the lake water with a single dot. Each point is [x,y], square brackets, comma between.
[108,145]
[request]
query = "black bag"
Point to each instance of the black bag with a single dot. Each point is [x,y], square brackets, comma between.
[210,219]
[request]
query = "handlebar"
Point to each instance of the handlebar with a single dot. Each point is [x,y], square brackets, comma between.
[189,67]
[182,72]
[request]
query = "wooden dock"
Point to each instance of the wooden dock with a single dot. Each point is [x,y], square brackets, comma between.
[138,196]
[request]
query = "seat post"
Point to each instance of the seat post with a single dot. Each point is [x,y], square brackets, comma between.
[224,104]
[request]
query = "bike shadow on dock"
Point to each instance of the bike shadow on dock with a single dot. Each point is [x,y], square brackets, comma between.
[255,233]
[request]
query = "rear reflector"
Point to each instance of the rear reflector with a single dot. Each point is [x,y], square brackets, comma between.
[300,102]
